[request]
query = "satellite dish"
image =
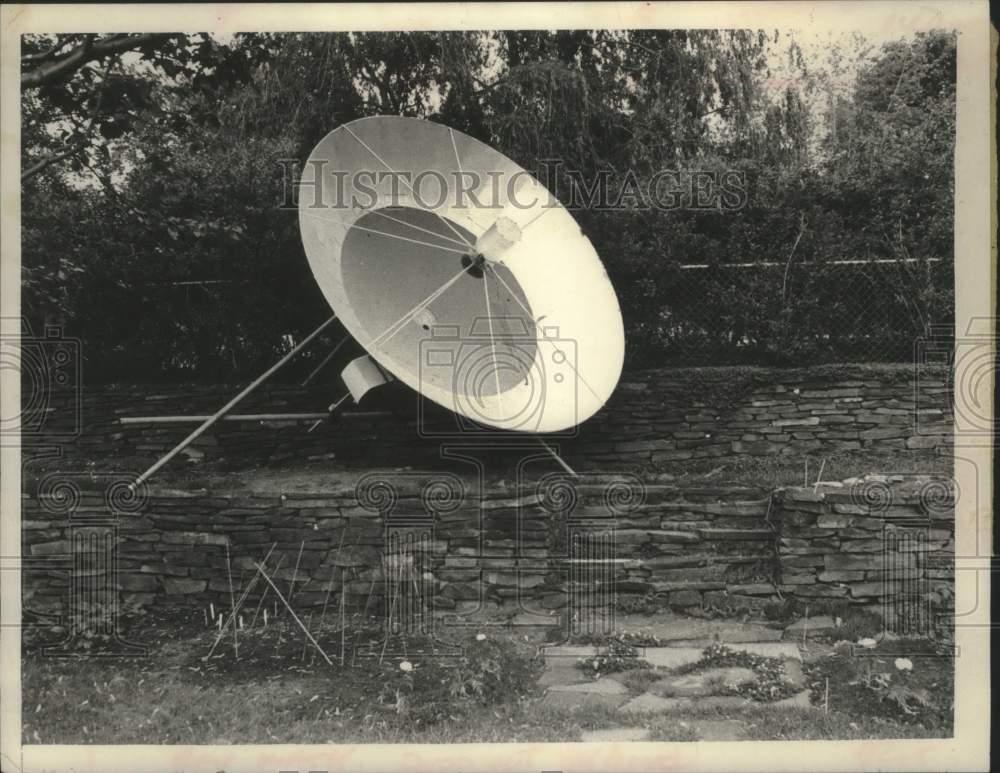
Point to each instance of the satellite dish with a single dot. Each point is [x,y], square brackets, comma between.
[460,274]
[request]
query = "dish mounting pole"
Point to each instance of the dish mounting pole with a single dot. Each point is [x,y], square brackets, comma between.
[229,406]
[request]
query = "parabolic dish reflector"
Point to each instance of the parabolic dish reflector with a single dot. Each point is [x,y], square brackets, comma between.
[460,274]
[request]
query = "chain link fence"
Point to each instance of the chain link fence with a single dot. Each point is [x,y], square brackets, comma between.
[773,313]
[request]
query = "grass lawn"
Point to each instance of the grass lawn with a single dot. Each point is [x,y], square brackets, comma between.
[274,694]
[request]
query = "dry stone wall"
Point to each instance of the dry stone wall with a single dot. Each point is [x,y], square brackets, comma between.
[655,418]
[866,540]
[528,552]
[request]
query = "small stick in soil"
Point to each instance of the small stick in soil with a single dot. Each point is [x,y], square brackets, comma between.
[368,601]
[326,601]
[388,633]
[263,595]
[333,573]
[295,572]
[305,642]
[826,697]
[239,604]
[291,611]
[232,603]
[343,625]
[820,476]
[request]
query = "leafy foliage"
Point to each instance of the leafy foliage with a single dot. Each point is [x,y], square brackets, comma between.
[769,683]
[154,177]
[620,654]
[487,673]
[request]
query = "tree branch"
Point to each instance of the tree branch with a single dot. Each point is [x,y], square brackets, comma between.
[47,161]
[87,51]
[78,143]
[42,56]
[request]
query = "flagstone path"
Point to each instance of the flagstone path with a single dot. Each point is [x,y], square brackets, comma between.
[682,642]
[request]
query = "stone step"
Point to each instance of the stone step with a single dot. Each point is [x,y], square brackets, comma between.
[569,651]
[810,628]
[615,734]
[654,704]
[673,656]
[670,657]
[801,700]
[681,629]
[647,703]
[602,692]
[782,650]
[711,681]
[592,686]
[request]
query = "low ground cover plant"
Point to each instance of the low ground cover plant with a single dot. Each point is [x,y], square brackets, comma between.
[770,682]
[487,672]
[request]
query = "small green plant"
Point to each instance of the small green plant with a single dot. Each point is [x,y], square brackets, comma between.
[854,622]
[784,611]
[860,624]
[488,672]
[905,699]
[619,656]
[770,683]
[628,638]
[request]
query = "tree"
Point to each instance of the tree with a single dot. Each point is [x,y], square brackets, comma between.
[80,93]
[180,261]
